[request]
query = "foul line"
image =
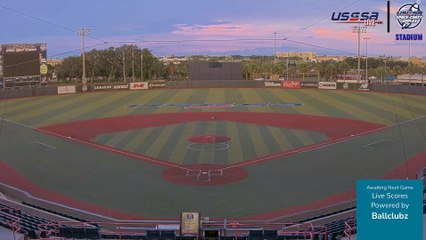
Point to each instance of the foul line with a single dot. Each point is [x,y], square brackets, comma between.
[48,147]
[317,146]
[110,149]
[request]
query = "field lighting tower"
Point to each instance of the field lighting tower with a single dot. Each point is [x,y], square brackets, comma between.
[275,48]
[359,30]
[366,58]
[83,32]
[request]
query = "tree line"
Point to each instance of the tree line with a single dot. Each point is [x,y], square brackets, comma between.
[125,64]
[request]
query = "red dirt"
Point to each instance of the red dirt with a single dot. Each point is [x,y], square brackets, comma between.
[204,174]
[209,139]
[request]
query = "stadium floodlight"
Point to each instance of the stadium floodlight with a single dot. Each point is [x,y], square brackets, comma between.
[358,30]
[366,58]
[83,32]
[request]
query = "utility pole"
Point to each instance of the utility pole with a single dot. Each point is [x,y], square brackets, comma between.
[366,58]
[359,30]
[141,66]
[275,48]
[83,32]
[124,66]
[133,66]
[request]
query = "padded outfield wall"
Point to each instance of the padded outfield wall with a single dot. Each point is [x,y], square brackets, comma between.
[215,71]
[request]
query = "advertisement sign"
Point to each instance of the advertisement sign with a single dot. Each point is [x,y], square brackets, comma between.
[272,84]
[157,84]
[327,85]
[309,84]
[190,223]
[102,87]
[120,87]
[66,89]
[139,86]
[291,84]
[364,87]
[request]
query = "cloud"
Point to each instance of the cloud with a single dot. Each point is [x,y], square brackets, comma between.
[227,30]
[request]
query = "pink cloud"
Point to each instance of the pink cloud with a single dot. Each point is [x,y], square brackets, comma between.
[224,30]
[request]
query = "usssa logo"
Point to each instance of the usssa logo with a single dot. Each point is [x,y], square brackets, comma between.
[356,17]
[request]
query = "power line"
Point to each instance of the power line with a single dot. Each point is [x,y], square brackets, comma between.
[45,21]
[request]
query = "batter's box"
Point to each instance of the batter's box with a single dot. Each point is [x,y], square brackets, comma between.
[216,172]
[190,172]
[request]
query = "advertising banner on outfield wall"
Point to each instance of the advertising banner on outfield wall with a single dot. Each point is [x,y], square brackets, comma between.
[309,84]
[156,84]
[327,85]
[139,86]
[110,87]
[354,86]
[272,84]
[364,87]
[66,89]
[291,84]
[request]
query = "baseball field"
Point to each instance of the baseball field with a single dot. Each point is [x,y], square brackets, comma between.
[227,153]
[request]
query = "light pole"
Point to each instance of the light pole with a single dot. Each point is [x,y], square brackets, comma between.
[359,30]
[275,48]
[83,32]
[366,58]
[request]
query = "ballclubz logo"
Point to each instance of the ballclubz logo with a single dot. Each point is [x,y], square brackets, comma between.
[355,17]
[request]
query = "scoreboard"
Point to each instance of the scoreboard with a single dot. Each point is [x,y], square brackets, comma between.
[22,65]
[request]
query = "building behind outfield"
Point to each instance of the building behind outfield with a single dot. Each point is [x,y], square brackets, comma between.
[215,71]
[22,65]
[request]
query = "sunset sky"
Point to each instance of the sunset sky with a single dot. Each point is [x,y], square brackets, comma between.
[220,27]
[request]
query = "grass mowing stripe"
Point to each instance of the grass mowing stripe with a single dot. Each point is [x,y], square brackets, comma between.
[246,143]
[293,96]
[116,138]
[259,143]
[193,156]
[252,96]
[197,96]
[327,107]
[233,95]
[181,149]
[303,137]
[282,139]
[418,106]
[51,111]
[134,143]
[17,106]
[221,157]
[379,108]
[272,143]
[354,112]
[121,102]
[235,151]
[149,139]
[139,97]
[157,97]
[179,97]
[160,141]
[169,147]
[292,137]
[268,96]
[75,113]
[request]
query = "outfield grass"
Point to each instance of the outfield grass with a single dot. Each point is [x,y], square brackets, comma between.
[130,185]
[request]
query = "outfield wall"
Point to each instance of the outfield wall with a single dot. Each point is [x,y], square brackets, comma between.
[56,90]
